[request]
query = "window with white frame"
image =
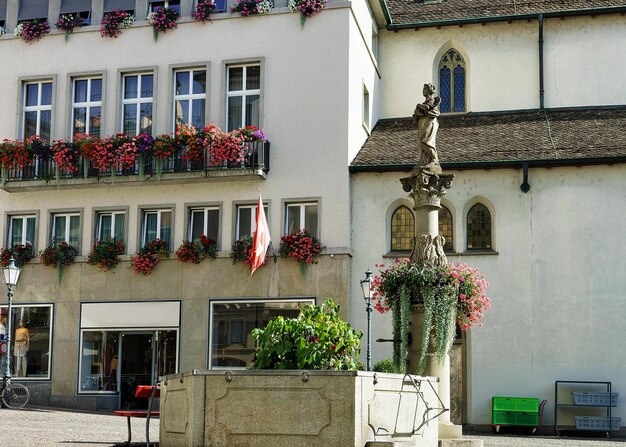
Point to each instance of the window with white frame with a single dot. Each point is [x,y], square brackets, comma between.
[137,101]
[66,228]
[172,4]
[204,221]
[243,106]
[37,109]
[110,224]
[87,106]
[189,97]
[246,220]
[78,8]
[21,231]
[157,224]
[232,322]
[301,216]
[366,107]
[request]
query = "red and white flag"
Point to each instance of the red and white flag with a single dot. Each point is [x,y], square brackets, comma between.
[260,238]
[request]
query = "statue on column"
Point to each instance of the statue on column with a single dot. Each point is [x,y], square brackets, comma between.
[425,116]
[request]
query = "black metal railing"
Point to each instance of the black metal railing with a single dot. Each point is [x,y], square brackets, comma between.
[256,157]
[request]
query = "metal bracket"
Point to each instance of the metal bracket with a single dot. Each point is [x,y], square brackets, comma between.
[305,376]
[525,186]
[228,376]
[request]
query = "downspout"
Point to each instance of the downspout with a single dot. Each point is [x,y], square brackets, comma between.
[541,89]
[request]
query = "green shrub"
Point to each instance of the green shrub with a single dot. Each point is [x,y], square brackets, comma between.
[386,366]
[317,339]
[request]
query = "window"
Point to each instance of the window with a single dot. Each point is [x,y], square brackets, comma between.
[366,107]
[81,8]
[204,221]
[301,216]
[173,4]
[21,231]
[452,82]
[66,228]
[232,322]
[246,220]
[479,228]
[3,13]
[190,97]
[445,227]
[37,109]
[87,106]
[157,224]
[137,104]
[402,229]
[220,5]
[110,224]
[31,340]
[374,40]
[243,96]
[122,5]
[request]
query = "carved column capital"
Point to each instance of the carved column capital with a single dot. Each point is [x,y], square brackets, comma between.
[427,188]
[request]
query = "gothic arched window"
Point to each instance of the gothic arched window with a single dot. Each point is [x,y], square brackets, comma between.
[402,229]
[445,227]
[452,82]
[479,228]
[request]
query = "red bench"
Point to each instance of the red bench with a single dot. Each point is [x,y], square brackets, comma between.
[142,391]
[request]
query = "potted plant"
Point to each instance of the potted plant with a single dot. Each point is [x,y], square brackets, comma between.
[67,23]
[302,247]
[32,30]
[306,8]
[105,253]
[58,255]
[146,259]
[203,10]
[111,22]
[163,19]
[20,253]
[247,8]
[197,251]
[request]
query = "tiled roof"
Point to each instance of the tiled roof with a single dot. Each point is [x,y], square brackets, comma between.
[560,134]
[420,11]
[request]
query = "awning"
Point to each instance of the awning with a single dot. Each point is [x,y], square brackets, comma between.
[33,9]
[122,5]
[69,6]
[3,9]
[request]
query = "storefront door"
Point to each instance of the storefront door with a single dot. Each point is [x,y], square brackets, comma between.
[136,366]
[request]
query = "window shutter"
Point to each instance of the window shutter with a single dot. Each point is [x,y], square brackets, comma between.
[3,9]
[33,9]
[123,5]
[69,6]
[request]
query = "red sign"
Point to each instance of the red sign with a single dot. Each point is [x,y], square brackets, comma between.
[3,348]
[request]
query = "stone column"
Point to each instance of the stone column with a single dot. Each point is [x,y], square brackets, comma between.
[426,188]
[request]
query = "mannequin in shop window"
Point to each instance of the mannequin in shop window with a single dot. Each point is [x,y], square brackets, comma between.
[3,337]
[22,344]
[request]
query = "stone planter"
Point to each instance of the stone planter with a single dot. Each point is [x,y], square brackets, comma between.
[297,408]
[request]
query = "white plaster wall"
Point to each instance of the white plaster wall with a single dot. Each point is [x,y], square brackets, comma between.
[498,55]
[305,111]
[583,63]
[557,283]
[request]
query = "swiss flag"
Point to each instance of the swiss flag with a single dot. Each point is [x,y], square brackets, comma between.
[260,238]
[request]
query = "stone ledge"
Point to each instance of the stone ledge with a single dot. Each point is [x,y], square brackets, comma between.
[461,443]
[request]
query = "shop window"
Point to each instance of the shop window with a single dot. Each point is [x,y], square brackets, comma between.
[301,216]
[402,229]
[446,227]
[30,340]
[246,220]
[232,322]
[479,228]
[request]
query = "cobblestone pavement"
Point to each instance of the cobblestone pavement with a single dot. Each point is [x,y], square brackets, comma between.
[32,427]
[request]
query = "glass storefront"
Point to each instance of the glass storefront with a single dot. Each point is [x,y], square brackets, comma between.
[30,341]
[232,323]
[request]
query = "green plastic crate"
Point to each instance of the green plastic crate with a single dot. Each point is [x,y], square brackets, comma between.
[525,404]
[515,418]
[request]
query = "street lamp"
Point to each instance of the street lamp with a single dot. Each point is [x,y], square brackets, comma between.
[11,275]
[366,288]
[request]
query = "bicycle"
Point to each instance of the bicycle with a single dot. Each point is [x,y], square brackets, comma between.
[14,395]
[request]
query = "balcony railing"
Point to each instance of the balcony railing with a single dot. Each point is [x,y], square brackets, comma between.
[256,162]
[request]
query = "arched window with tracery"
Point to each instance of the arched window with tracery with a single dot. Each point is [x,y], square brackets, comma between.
[479,228]
[445,227]
[402,229]
[452,70]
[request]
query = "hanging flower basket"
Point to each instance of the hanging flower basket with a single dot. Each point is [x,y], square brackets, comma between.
[146,259]
[198,251]
[203,11]
[163,19]
[58,256]
[106,253]
[20,253]
[67,23]
[302,247]
[112,21]
[32,30]
[306,8]
[247,8]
